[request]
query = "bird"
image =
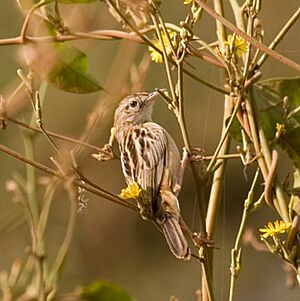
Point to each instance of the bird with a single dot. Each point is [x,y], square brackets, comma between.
[150,157]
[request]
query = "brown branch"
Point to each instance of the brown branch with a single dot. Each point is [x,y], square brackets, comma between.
[97,191]
[28,17]
[55,135]
[207,58]
[292,20]
[252,41]
[97,35]
[270,179]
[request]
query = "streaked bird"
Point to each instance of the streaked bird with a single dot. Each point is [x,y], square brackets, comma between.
[150,157]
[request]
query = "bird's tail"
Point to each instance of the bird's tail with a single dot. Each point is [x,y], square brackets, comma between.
[175,238]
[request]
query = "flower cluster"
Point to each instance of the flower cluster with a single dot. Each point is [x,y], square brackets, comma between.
[275,229]
[240,46]
[132,191]
[155,56]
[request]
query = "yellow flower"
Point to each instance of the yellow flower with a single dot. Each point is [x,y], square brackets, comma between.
[240,46]
[156,56]
[279,227]
[132,191]
[280,129]
[187,1]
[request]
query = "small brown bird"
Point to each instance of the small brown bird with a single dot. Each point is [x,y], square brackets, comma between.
[150,157]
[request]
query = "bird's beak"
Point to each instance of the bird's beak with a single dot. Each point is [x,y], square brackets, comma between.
[153,95]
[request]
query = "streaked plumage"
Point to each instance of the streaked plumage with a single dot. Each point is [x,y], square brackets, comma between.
[150,157]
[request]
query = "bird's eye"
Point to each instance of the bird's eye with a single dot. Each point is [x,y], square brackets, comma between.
[133,103]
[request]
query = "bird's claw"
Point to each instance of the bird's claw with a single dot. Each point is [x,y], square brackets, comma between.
[197,154]
[201,240]
[105,153]
[194,155]
[145,211]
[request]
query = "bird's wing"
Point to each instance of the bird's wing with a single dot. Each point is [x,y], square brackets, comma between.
[144,156]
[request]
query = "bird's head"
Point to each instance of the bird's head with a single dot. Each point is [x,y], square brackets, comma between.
[135,108]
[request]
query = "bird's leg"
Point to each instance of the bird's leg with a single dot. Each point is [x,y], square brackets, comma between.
[196,154]
[144,204]
[186,158]
[201,239]
[106,153]
[183,163]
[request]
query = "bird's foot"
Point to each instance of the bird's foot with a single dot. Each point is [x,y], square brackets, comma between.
[105,153]
[145,213]
[144,205]
[196,154]
[201,239]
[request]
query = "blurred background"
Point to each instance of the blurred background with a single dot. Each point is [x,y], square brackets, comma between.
[111,242]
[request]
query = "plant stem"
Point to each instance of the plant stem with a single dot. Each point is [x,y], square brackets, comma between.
[97,191]
[28,17]
[216,187]
[236,251]
[166,59]
[227,156]
[33,219]
[263,153]
[31,178]
[134,29]
[63,251]
[215,193]
[47,200]
[206,83]
[238,14]
[279,202]
[249,39]
[224,135]
[55,135]
[221,32]
[292,20]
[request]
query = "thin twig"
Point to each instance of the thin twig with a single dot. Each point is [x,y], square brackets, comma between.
[292,20]
[262,150]
[55,135]
[236,251]
[135,30]
[255,43]
[64,248]
[207,58]
[224,135]
[206,83]
[28,17]
[31,178]
[166,59]
[227,156]
[270,179]
[149,42]
[238,14]
[97,191]
[75,35]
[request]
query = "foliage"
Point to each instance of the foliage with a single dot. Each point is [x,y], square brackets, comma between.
[259,115]
[103,291]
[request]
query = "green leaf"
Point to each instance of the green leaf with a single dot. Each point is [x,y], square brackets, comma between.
[269,97]
[26,4]
[59,63]
[295,204]
[296,185]
[235,129]
[104,291]
[75,1]
[70,71]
